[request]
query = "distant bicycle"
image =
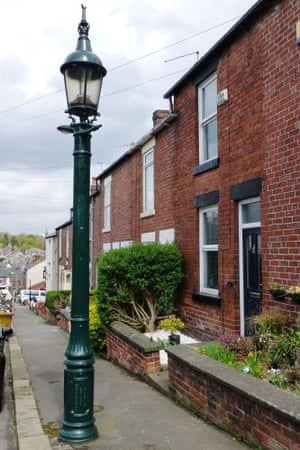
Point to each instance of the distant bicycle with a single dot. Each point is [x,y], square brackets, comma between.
[5,334]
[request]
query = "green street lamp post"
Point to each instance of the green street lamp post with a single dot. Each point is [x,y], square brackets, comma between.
[83,74]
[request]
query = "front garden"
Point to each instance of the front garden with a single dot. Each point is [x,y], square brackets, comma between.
[272,354]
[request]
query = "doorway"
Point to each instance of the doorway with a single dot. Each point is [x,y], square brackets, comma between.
[250,265]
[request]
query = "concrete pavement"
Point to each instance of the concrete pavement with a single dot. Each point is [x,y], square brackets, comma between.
[130,414]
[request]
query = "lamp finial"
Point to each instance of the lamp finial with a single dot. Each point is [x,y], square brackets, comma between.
[83,27]
[83,12]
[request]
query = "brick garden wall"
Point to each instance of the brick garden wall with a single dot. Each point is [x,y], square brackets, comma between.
[251,409]
[132,350]
[259,413]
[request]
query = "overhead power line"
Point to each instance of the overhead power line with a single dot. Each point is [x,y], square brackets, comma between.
[139,58]
[36,99]
[105,95]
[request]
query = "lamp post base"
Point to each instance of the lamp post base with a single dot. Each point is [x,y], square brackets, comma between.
[74,435]
[78,424]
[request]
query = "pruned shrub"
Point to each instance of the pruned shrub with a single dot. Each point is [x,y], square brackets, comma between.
[138,283]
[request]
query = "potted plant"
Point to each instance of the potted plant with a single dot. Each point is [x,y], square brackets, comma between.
[277,290]
[294,293]
[172,325]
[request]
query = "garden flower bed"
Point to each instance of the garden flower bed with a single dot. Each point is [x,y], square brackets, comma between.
[272,354]
[254,362]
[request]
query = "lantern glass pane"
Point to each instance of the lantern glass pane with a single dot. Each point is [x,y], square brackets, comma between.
[83,86]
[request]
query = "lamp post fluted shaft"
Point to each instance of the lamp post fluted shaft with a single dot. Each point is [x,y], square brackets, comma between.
[78,424]
[83,73]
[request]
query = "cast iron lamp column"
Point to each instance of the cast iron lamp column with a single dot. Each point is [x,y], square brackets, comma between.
[83,73]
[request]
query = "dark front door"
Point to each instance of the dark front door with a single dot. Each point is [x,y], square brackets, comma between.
[252,276]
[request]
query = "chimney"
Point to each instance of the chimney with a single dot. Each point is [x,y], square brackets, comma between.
[159,115]
[94,186]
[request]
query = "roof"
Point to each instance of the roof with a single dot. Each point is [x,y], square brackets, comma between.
[64,225]
[239,28]
[139,144]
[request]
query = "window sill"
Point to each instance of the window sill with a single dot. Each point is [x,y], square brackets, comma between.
[106,230]
[202,297]
[206,166]
[147,213]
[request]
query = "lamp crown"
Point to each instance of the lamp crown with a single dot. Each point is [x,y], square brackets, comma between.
[83,73]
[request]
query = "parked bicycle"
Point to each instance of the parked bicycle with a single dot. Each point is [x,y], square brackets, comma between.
[5,334]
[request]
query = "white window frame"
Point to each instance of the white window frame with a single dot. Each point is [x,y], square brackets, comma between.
[148,210]
[204,121]
[203,249]
[107,204]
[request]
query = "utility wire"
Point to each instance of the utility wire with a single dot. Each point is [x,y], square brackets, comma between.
[142,83]
[36,99]
[139,58]
[29,118]
[105,95]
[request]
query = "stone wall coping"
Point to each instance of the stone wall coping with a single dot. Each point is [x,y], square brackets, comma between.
[65,312]
[135,338]
[263,392]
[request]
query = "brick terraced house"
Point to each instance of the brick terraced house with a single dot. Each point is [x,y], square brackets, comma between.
[218,175]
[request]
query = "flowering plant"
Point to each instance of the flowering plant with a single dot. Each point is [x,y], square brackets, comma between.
[277,288]
[294,291]
[171,324]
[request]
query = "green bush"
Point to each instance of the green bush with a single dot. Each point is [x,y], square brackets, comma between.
[271,322]
[56,300]
[283,348]
[137,284]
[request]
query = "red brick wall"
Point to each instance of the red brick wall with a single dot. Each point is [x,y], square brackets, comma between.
[258,136]
[282,162]
[66,234]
